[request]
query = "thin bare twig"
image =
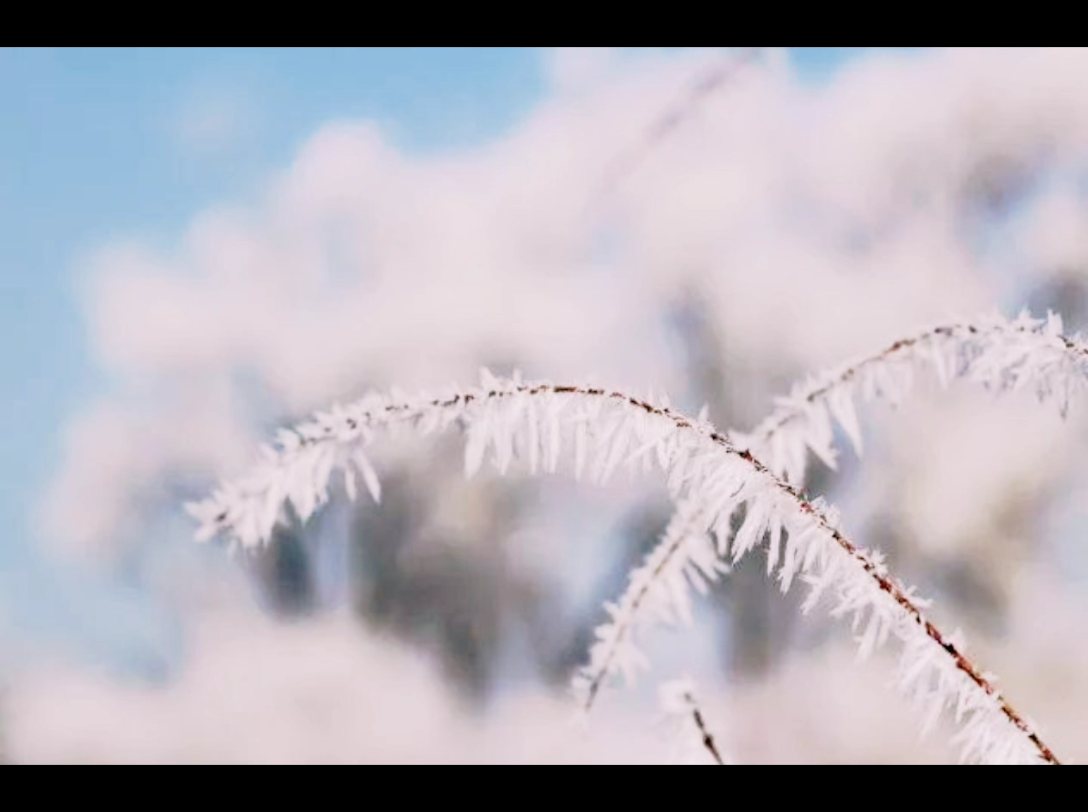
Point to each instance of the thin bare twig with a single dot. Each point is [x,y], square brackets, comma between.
[708,739]
[678,700]
[711,80]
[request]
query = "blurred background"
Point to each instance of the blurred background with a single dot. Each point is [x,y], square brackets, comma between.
[197,246]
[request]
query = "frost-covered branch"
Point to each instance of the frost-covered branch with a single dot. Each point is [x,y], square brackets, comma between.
[993,352]
[656,591]
[996,353]
[508,419]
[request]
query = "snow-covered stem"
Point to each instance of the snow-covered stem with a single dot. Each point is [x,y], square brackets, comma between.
[508,418]
[994,352]
[685,550]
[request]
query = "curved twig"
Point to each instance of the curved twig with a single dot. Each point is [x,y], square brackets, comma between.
[714,78]
[994,352]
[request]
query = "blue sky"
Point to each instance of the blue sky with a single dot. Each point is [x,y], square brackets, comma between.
[97,144]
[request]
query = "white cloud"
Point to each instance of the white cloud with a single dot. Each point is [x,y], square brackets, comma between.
[1054,234]
[816,221]
[316,692]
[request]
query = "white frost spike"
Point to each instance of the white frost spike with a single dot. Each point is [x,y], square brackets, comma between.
[751,532]
[940,365]
[553,436]
[842,407]
[370,476]
[349,483]
[604,440]
[272,508]
[774,533]
[533,437]
[324,462]
[580,443]
[474,450]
